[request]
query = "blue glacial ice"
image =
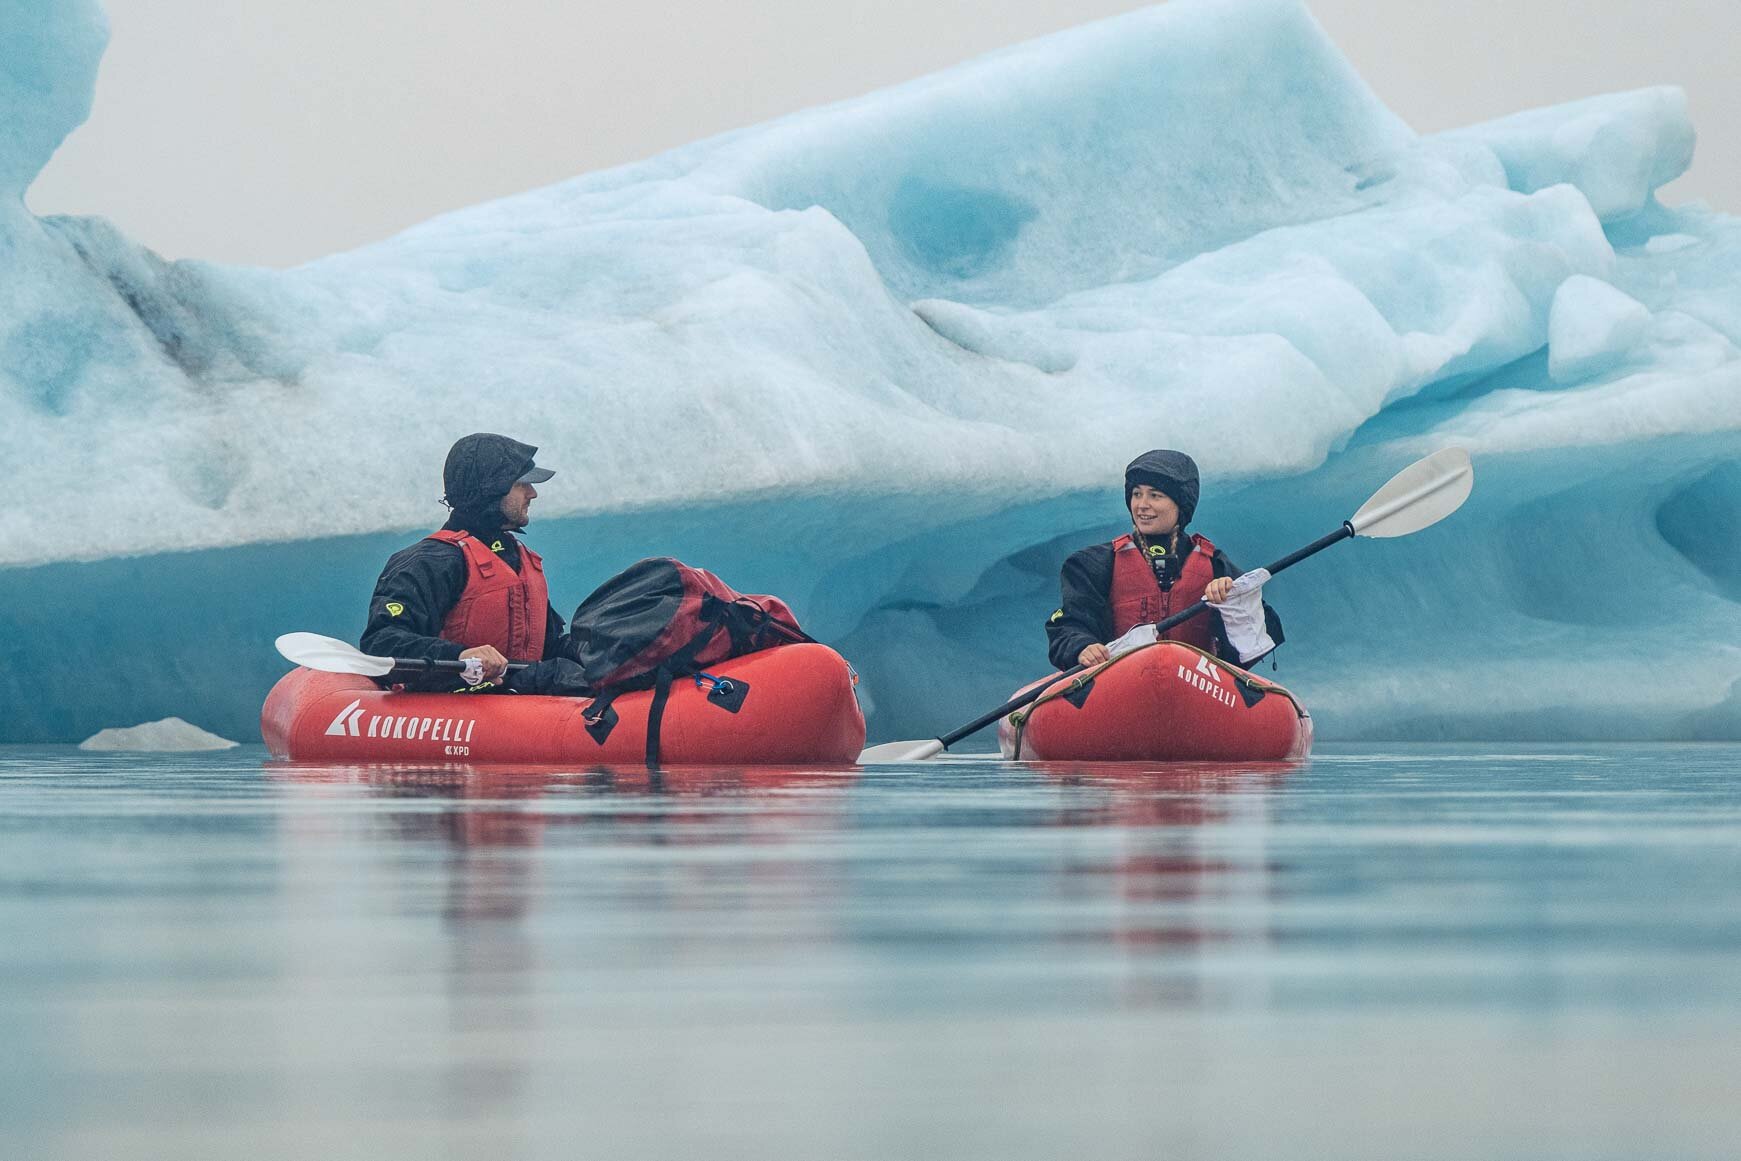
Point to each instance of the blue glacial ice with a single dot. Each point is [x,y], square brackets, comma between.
[888,357]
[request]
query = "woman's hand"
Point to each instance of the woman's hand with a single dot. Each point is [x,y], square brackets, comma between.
[1216,590]
[1093,655]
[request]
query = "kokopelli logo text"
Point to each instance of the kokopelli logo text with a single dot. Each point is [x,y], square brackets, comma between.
[355,722]
[1206,678]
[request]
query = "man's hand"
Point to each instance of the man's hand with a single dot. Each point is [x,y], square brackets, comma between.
[1093,655]
[495,665]
[1216,590]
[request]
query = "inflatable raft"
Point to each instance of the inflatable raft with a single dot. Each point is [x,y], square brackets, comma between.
[1165,702]
[790,706]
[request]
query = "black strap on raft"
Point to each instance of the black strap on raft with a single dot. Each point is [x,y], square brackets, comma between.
[600,718]
[747,623]
[727,693]
[1250,692]
[1078,692]
[656,715]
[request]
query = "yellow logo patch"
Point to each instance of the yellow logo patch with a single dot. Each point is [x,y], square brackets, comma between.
[496,547]
[1058,616]
[394,608]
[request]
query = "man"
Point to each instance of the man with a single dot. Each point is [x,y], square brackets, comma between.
[472,591]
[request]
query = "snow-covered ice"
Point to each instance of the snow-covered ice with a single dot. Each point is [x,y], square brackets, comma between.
[1591,328]
[166,736]
[888,358]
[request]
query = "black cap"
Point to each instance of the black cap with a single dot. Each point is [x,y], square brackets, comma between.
[483,467]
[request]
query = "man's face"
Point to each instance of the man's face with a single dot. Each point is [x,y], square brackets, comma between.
[517,506]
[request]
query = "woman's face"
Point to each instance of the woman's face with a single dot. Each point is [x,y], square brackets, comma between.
[1153,511]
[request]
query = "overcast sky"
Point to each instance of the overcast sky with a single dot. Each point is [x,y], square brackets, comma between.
[273,132]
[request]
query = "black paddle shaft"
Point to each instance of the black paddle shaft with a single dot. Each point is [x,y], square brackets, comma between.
[427,665]
[1178,618]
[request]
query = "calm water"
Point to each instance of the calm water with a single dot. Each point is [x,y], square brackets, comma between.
[1422,952]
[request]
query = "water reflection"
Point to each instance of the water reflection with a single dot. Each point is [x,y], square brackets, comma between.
[491,819]
[445,962]
[1188,877]
[1170,875]
[530,866]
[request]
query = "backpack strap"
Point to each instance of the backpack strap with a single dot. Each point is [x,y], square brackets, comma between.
[656,715]
[761,624]
[715,614]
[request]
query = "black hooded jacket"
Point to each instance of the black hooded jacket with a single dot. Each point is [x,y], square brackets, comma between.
[425,581]
[1084,616]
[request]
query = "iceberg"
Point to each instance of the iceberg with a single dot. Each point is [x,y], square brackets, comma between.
[171,735]
[887,358]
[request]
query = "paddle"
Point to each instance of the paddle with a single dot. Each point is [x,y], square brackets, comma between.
[330,655]
[1422,494]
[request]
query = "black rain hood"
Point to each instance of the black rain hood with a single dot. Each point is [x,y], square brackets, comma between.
[1173,473]
[481,469]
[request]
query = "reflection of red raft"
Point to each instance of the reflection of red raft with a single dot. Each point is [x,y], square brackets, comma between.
[797,708]
[1165,702]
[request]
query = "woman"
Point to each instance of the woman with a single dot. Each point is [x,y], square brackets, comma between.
[1114,592]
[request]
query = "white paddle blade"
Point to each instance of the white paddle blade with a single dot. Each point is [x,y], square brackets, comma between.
[330,655]
[1423,493]
[901,752]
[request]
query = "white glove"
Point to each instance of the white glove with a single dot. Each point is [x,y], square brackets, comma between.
[1242,615]
[473,673]
[1135,639]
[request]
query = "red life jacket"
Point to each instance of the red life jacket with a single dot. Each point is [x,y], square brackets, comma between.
[1137,598]
[499,606]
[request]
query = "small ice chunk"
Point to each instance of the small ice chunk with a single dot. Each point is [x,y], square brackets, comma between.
[1591,328]
[170,734]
